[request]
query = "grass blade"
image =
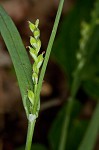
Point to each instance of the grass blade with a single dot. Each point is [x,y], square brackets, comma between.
[89,140]
[18,54]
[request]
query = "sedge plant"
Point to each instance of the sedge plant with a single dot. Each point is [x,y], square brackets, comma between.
[29,77]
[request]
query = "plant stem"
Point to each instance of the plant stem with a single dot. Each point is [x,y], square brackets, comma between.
[74,89]
[39,86]
[31,126]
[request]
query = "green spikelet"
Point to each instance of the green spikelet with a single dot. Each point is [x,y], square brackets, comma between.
[38,59]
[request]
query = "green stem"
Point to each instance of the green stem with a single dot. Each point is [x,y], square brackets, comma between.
[31,126]
[74,89]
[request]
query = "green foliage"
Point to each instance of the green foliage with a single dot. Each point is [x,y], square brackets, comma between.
[90,138]
[66,56]
[55,132]
[69,37]
[18,55]
[76,133]
[84,71]
[67,43]
[91,87]
[22,64]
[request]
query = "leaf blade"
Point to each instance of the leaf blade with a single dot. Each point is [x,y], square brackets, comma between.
[92,132]
[17,52]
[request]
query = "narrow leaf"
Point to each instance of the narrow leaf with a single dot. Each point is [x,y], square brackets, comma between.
[18,54]
[89,140]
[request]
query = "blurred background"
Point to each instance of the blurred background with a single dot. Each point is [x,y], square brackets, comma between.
[58,78]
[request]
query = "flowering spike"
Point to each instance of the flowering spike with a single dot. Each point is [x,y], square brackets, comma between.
[81,55]
[38,60]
